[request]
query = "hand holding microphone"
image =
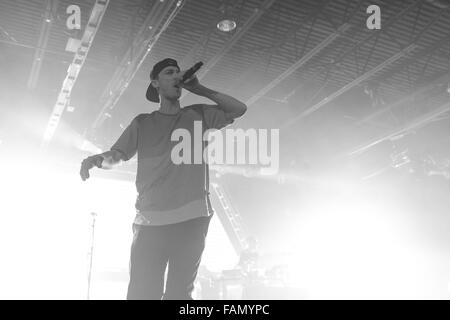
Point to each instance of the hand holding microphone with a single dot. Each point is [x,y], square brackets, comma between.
[190,72]
[188,80]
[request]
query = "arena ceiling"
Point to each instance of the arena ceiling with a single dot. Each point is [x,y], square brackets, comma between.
[311,68]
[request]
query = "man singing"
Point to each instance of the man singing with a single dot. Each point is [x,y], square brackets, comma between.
[173,210]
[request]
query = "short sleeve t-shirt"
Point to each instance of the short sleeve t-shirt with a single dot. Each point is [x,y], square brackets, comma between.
[168,192]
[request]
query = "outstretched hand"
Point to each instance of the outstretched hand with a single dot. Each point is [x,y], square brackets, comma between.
[88,163]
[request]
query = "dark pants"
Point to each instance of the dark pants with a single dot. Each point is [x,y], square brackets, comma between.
[180,245]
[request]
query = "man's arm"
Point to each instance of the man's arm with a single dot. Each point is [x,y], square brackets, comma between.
[105,160]
[111,158]
[232,107]
[124,149]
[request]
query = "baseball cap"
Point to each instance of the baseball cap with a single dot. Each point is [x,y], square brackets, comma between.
[152,94]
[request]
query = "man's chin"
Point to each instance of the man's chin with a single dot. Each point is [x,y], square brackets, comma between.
[173,98]
[177,94]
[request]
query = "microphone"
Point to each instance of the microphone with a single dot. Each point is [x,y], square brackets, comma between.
[191,71]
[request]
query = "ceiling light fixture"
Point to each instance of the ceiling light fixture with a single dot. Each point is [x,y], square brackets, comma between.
[226,22]
[226,25]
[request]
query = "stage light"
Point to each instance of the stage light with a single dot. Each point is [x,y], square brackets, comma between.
[226,25]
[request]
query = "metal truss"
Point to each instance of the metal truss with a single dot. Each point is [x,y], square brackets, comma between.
[258,12]
[265,57]
[427,52]
[411,96]
[298,64]
[386,27]
[231,220]
[342,56]
[201,43]
[74,69]
[50,12]
[359,70]
[149,33]
[412,125]
[424,53]
[351,85]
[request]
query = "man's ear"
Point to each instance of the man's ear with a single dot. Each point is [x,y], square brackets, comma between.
[155,84]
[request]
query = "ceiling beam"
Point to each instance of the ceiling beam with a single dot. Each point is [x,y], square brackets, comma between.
[201,43]
[412,95]
[370,36]
[74,69]
[298,64]
[44,34]
[428,51]
[414,124]
[258,12]
[386,27]
[351,85]
[152,28]
[272,49]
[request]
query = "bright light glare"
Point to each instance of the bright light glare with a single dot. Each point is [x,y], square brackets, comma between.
[219,253]
[46,232]
[353,246]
